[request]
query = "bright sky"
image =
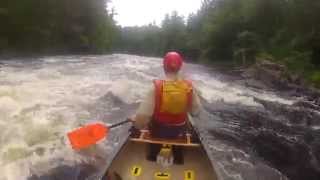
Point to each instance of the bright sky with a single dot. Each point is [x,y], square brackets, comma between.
[143,12]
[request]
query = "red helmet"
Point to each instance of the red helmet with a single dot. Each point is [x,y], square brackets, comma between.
[172,62]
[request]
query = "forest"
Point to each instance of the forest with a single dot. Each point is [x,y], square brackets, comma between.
[55,26]
[236,32]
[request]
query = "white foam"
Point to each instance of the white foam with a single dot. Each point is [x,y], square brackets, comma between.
[215,90]
[128,91]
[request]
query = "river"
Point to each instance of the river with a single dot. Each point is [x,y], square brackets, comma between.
[251,134]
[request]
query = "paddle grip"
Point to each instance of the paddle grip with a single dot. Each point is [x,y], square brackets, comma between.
[120,123]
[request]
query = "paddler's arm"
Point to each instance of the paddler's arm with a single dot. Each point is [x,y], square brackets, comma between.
[145,110]
[196,105]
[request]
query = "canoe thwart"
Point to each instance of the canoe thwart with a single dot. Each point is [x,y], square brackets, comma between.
[145,137]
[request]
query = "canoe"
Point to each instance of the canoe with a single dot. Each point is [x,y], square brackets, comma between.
[131,163]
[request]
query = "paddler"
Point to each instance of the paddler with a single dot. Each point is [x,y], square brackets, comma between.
[166,106]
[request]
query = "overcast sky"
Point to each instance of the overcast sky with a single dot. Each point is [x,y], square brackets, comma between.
[142,12]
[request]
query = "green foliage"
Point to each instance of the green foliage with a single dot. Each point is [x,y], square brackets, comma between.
[173,33]
[140,40]
[315,78]
[55,25]
[298,62]
[245,47]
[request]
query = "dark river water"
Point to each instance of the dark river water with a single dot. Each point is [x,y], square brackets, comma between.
[249,134]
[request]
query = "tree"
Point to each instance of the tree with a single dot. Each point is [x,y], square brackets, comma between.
[173,33]
[246,47]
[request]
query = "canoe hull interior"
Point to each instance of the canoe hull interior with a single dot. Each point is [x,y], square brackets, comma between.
[131,164]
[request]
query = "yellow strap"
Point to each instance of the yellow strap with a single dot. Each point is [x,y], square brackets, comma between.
[136,171]
[189,175]
[162,176]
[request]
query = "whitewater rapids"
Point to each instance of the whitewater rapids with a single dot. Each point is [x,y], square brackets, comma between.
[42,99]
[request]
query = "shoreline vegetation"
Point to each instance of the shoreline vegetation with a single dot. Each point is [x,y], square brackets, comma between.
[55,26]
[233,34]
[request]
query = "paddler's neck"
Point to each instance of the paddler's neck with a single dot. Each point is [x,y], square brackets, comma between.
[173,76]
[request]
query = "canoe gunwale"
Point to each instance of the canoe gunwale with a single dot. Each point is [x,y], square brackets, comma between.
[113,154]
[206,148]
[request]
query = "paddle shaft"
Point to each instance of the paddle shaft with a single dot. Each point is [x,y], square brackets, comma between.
[119,124]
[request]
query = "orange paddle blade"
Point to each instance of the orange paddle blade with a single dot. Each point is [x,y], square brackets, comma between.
[87,136]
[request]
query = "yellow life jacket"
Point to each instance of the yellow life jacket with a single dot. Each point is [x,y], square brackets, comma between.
[173,101]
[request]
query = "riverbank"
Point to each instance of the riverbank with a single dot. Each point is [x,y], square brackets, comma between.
[269,75]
